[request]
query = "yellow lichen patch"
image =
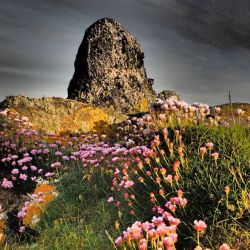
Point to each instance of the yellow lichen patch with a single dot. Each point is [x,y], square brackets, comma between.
[45,193]
[85,119]
[2,225]
[142,106]
[2,238]
[2,228]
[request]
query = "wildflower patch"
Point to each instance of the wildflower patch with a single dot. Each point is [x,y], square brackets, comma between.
[32,210]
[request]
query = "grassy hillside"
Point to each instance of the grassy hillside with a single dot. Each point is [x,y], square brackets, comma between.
[173,179]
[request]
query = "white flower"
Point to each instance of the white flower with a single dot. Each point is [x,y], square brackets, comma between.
[3,216]
[35,220]
[40,180]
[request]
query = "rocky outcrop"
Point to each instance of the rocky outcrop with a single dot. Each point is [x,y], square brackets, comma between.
[109,69]
[167,94]
[60,115]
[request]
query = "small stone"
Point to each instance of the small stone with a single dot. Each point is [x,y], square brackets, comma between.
[169,94]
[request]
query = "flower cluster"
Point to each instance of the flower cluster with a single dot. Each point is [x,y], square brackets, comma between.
[32,210]
[160,232]
[209,146]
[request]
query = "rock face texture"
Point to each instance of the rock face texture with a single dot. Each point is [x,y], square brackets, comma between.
[60,115]
[109,69]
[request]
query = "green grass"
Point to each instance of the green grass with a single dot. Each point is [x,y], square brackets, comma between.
[204,181]
[80,217]
[77,219]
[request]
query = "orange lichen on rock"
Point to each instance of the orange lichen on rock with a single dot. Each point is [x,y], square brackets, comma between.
[33,210]
[48,193]
[61,115]
[44,194]
[2,228]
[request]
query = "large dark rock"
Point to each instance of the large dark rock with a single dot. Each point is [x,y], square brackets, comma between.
[109,69]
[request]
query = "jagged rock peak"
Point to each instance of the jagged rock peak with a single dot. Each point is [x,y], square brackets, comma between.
[109,69]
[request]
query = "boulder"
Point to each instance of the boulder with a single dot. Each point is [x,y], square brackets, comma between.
[60,115]
[169,94]
[109,69]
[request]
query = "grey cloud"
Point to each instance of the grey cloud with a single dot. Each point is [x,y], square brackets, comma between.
[199,48]
[224,24]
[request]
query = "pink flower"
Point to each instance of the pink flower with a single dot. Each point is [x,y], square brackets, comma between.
[200,225]
[116,159]
[14,157]
[24,168]
[45,151]
[203,150]
[23,177]
[14,171]
[147,225]
[162,117]
[40,171]
[168,241]
[128,184]
[170,206]
[119,241]
[33,178]
[33,151]
[22,229]
[65,158]
[240,112]
[224,246]
[169,178]
[6,183]
[217,109]
[49,174]
[152,233]
[215,155]
[157,220]
[22,213]
[174,221]
[162,229]
[72,157]
[58,153]
[56,164]
[33,168]
[143,244]
[110,199]
[165,132]
[183,202]
[40,200]
[209,145]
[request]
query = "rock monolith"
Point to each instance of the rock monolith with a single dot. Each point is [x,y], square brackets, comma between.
[109,69]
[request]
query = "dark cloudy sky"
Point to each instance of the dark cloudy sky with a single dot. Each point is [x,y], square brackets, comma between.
[201,48]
